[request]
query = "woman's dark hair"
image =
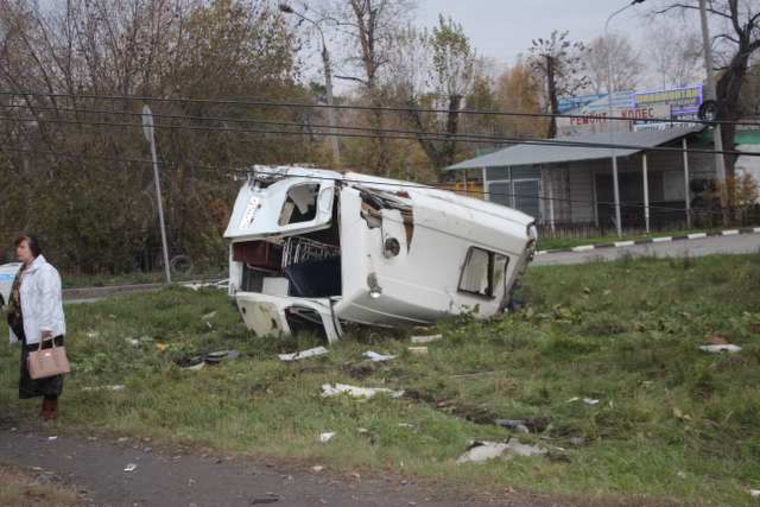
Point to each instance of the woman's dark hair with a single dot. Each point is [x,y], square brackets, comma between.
[31,241]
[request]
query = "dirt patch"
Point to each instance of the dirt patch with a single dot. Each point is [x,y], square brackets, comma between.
[23,487]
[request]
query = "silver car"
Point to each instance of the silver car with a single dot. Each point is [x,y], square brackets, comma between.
[7,275]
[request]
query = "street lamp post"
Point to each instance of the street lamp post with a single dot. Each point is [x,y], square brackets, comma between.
[147,120]
[331,119]
[610,92]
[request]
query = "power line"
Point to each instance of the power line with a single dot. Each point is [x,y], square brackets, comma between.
[230,171]
[396,109]
[397,134]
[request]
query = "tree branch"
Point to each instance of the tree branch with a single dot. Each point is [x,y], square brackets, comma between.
[352,78]
[692,7]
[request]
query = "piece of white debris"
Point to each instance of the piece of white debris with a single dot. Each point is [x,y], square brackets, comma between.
[92,334]
[479,452]
[376,357]
[358,392]
[755,493]
[326,437]
[130,468]
[133,342]
[426,339]
[304,354]
[117,387]
[418,351]
[587,401]
[53,438]
[317,468]
[717,349]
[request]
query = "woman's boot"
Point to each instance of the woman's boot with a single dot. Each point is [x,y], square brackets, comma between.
[52,409]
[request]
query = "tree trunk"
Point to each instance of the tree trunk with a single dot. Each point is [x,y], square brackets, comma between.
[552,92]
[728,92]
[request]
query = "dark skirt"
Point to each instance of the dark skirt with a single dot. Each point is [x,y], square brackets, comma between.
[50,387]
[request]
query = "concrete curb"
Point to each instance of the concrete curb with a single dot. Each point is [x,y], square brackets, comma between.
[648,241]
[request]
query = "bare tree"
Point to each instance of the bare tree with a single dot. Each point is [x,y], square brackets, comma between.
[558,62]
[449,72]
[627,65]
[370,29]
[736,32]
[674,50]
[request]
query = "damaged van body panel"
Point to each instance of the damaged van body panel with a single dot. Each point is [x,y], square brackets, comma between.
[321,248]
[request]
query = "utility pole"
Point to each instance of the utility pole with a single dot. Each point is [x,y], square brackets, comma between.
[147,120]
[331,117]
[712,93]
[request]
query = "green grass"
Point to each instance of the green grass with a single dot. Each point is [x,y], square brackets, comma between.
[673,423]
[554,243]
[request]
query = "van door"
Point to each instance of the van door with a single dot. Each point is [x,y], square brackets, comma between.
[293,205]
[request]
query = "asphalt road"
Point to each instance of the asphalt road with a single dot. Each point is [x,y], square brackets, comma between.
[739,244]
[172,478]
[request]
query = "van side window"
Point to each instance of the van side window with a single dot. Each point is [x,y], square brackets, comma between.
[300,204]
[483,273]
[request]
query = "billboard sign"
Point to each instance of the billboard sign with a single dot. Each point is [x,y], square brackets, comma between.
[682,101]
[596,122]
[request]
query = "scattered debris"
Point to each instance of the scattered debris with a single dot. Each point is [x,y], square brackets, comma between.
[133,342]
[376,357]
[262,501]
[479,452]
[304,354]
[577,441]
[587,401]
[317,468]
[53,438]
[517,425]
[426,339]
[117,387]
[755,493]
[717,349]
[418,351]
[162,347]
[130,468]
[209,316]
[220,355]
[716,340]
[358,392]
[326,437]
[680,415]
[198,362]
[406,425]
[92,334]
[362,370]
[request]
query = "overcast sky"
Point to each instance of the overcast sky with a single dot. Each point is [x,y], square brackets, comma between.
[501,29]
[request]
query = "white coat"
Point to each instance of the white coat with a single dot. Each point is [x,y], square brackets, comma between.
[41,302]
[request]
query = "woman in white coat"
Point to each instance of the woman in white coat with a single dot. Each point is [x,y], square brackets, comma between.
[35,313]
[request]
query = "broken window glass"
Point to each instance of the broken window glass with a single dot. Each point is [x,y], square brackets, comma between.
[483,272]
[300,204]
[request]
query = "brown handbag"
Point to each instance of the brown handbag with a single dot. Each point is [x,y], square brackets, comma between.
[43,363]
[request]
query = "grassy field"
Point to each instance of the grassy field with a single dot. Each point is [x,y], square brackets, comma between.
[674,424]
